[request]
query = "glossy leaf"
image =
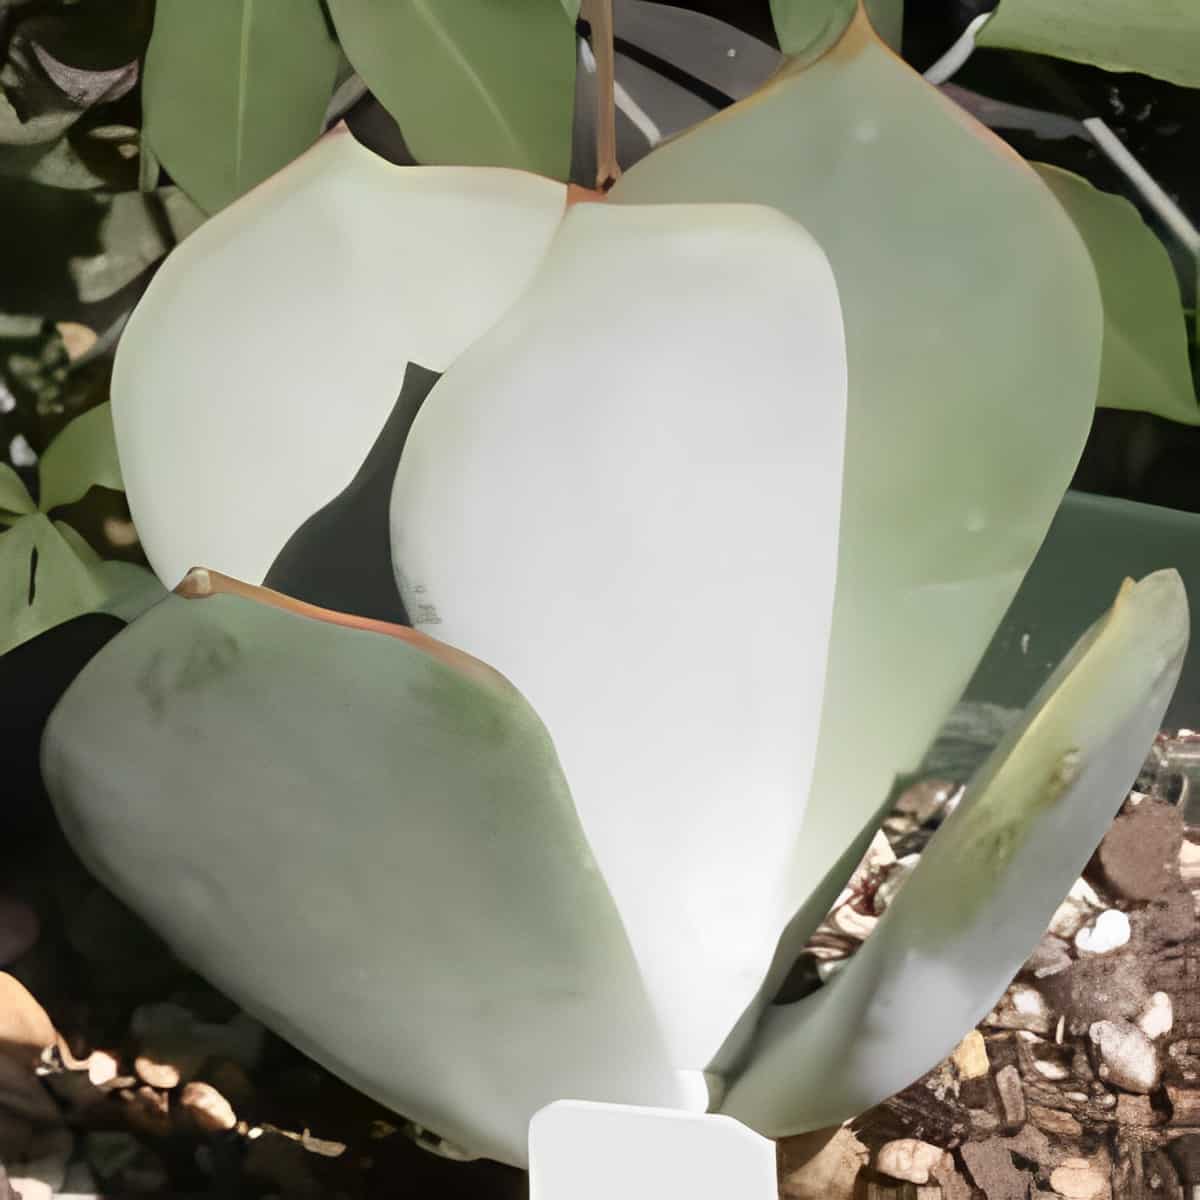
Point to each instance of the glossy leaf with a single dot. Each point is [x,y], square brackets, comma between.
[47,582]
[459,958]
[986,887]
[14,496]
[1145,363]
[1159,38]
[965,419]
[469,82]
[235,90]
[82,456]
[283,411]
[576,505]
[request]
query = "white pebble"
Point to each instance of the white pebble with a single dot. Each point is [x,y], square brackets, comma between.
[908,1159]
[1157,1017]
[1108,931]
[1127,1056]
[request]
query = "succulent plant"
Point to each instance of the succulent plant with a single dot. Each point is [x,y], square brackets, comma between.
[703,504]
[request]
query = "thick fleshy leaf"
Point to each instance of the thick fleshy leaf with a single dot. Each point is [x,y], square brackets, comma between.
[966,414]
[234,91]
[807,29]
[1145,363]
[469,82]
[437,932]
[266,355]
[15,499]
[46,581]
[629,507]
[1158,39]
[986,887]
[82,456]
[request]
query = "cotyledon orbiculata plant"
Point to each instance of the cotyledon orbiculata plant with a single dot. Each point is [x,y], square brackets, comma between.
[688,495]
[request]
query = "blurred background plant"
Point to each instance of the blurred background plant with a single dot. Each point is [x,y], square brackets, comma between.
[124,123]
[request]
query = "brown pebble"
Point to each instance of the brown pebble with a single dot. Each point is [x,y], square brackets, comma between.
[1136,1112]
[822,1165]
[1052,1120]
[1078,1179]
[207,1108]
[1185,1105]
[990,1164]
[1012,1096]
[163,1075]
[25,1028]
[1140,852]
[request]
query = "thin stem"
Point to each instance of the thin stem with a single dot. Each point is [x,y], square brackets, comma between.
[599,16]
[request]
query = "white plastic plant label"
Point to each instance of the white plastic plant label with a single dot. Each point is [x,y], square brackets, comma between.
[584,1151]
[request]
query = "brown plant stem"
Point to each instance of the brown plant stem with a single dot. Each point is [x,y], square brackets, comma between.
[599,16]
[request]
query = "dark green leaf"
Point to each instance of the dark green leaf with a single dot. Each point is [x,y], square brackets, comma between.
[470,81]
[234,90]
[1157,37]
[1145,361]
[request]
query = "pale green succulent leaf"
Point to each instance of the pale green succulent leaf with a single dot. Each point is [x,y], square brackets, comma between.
[965,420]
[204,389]
[469,81]
[1145,362]
[1159,38]
[471,967]
[233,91]
[534,501]
[15,499]
[805,29]
[986,887]
[48,581]
[82,456]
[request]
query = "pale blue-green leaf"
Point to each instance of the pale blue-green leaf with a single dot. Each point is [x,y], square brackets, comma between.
[469,82]
[44,581]
[233,91]
[807,28]
[1145,360]
[82,456]
[943,507]
[453,910]
[888,18]
[1160,38]
[14,496]
[987,886]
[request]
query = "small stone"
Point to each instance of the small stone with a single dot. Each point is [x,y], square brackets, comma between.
[852,923]
[77,339]
[231,1081]
[925,801]
[1012,1096]
[1189,862]
[1107,932]
[993,1171]
[1127,1056]
[102,1067]
[1185,1154]
[1140,851]
[19,929]
[908,1159]
[207,1108]
[283,1164]
[1076,910]
[815,1166]
[25,1029]
[1099,988]
[1077,1179]
[1047,1068]
[1052,1120]
[1022,1007]
[163,1075]
[1050,957]
[970,1056]
[30,1189]
[1185,1105]
[1136,1112]
[1157,1017]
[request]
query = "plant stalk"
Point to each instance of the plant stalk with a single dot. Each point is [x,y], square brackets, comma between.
[599,16]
